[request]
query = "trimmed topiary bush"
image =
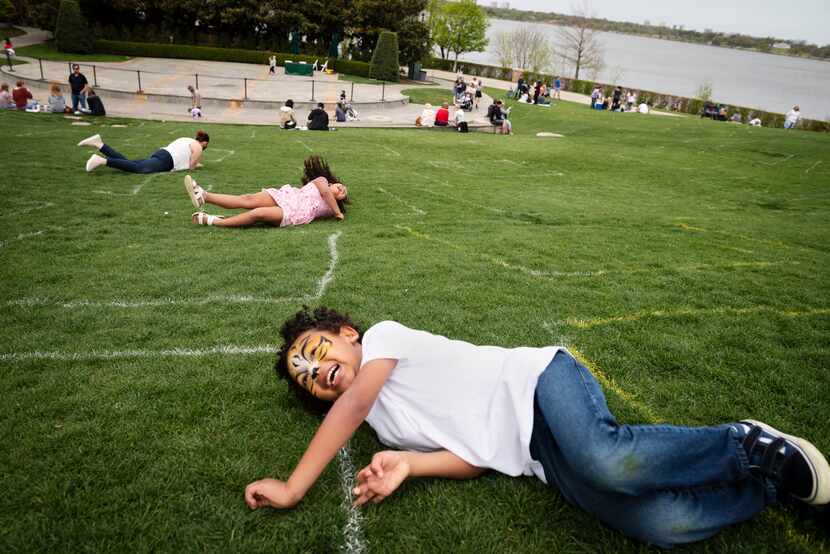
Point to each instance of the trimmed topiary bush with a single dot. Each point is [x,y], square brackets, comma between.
[385,65]
[351,67]
[72,32]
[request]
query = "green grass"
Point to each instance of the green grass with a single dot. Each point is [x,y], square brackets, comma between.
[10,32]
[359,79]
[687,259]
[431,95]
[47,51]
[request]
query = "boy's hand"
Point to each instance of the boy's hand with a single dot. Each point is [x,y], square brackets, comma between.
[339,216]
[269,492]
[380,478]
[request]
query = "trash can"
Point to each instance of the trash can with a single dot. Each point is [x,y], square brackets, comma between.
[415,73]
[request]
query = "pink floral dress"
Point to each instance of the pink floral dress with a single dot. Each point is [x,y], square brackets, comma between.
[299,205]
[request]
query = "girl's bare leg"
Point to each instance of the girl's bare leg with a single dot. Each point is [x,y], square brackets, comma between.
[272,215]
[248,201]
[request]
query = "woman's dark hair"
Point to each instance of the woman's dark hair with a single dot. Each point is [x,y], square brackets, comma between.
[289,103]
[321,319]
[315,166]
[202,136]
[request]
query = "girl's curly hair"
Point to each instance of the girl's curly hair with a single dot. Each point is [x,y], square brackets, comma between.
[321,319]
[315,166]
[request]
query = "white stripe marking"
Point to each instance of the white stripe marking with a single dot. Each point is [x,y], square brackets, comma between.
[414,208]
[329,275]
[35,206]
[228,155]
[147,179]
[114,355]
[351,530]
[307,147]
[398,154]
[812,167]
[22,236]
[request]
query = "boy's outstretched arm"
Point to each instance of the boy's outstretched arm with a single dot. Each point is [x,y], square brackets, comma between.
[390,468]
[345,416]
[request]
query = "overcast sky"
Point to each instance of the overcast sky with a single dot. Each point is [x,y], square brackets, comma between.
[787,19]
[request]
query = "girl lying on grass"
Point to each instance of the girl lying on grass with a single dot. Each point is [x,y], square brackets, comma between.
[183,153]
[322,196]
[453,409]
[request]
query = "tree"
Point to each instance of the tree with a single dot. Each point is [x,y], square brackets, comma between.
[367,18]
[524,48]
[461,27]
[578,43]
[385,65]
[72,33]
[7,11]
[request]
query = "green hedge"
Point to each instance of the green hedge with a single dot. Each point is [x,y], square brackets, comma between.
[351,67]
[385,64]
[188,52]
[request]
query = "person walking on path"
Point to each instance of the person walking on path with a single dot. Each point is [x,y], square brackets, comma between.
[793,116]
[557,88]
[77,85]
[323,196]
[272,65]
[181,154]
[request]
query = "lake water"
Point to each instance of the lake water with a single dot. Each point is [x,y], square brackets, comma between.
[752,79]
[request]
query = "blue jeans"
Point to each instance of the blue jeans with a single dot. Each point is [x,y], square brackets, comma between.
[660,484]
[159,161]
[78,99]
[789,124]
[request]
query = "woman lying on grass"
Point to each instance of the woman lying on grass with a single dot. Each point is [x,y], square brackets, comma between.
[453,409]
[183,153]
[322,196]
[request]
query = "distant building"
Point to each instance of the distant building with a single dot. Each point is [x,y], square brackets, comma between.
[782,45]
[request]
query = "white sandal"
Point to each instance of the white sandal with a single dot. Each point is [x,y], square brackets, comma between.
[196,193]
[201,218]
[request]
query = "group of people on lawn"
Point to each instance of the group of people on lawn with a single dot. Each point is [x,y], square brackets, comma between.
[449,408]
[84,98]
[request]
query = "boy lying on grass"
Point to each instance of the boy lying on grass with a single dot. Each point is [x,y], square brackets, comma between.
[454,409]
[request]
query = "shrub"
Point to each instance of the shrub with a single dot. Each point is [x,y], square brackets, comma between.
[385,65]
[351,67]
[184,51]
[72,33]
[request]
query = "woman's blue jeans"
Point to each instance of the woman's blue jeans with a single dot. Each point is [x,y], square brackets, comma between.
[78,99]
[159,161]
[661,484]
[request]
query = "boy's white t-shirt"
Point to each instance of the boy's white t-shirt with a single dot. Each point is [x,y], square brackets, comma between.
[443,394]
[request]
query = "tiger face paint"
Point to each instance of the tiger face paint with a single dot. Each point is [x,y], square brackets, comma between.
[305,358]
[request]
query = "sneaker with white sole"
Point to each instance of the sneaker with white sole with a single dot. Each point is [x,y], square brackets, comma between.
[196,193]
[793,463]
[94,141]
[94,162]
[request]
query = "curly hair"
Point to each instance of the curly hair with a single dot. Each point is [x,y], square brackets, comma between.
[315,166]
[321,319]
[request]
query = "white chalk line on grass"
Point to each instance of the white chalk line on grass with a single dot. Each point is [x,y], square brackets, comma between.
[777,162]
[227,350]
[322,284]
[589,273]
[253,134]
[812,167]
[147,179]
[460,201]
[32,207]
[390,150]
[352,534]
[680,312]
[415,209]
[22,236]
[228,154]
[307,147]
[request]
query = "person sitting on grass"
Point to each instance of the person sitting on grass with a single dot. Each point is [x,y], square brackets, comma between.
[181,154]
[22,96]
[323,196]
[497,115]
[57,103]
[96,105]
[456,410]
[318,119]
[442,116]
[6,100]
[288,119]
